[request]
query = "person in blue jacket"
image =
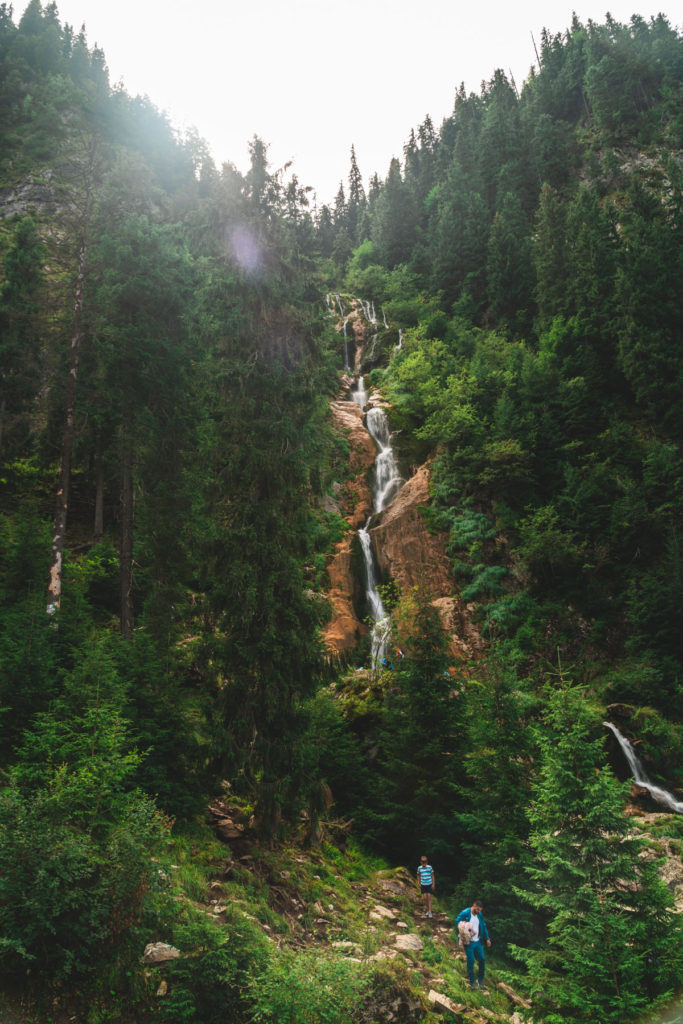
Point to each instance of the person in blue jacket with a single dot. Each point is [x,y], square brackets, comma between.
[474,949]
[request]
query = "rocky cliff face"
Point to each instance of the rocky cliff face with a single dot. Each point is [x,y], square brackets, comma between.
[407,552]
[354,502]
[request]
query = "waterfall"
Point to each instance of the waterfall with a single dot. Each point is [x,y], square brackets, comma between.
[359,394]
[387,485]
[387,477]
[380,619]
[369,311]
[400,340]
[384,319]
[347,365]
[640,776]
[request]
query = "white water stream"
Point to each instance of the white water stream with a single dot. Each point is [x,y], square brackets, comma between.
[387,484]
[662,796]
[359,394]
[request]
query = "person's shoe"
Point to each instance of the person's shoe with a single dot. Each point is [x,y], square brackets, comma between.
[473,985]
[429,913]
[481,986]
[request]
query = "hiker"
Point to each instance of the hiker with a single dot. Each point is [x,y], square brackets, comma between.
[426,879]
[470,920]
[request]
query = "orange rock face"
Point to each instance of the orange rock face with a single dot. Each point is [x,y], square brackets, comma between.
[345,629]
[407,552]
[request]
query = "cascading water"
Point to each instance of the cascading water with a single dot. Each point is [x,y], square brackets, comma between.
[662,796]
[387,477]
[359,394]
[388,482]
[369,311]
[400,340]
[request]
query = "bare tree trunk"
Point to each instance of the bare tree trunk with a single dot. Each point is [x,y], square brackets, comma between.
[3,405]
[126,551]
[98,528]
[54,590]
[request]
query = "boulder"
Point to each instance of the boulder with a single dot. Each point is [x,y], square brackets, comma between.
[442,1004]
[383,912]
[229,829]
[410,942]
[159,953]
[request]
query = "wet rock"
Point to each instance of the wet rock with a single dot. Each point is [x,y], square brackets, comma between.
[411,555]
[354,501]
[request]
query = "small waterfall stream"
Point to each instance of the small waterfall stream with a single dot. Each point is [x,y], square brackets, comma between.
[359,394]
[662,796]
[387,484]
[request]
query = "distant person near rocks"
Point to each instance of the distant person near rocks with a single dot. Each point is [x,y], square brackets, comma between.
[472,934]
[427,880]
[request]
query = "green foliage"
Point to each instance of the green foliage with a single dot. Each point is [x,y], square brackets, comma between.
[209,983]
[499,712]
[76,841]
[308,988]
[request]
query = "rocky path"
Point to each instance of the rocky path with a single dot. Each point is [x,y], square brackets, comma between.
[330,899]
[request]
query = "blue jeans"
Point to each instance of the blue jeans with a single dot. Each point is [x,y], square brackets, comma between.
[475,950]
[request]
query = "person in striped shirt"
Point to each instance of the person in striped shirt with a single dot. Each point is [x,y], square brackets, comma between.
[427,881]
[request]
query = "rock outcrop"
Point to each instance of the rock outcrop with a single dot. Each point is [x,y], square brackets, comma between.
[159,953]
[411,555]
[354,501]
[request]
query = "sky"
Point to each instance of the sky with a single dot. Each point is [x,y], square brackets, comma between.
[314,77]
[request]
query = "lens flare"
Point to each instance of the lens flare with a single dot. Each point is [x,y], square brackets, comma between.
[246,250]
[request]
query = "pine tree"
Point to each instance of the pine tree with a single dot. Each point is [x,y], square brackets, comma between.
[419,740]
[357,201]
[550,258]
[612,942]
[21,356]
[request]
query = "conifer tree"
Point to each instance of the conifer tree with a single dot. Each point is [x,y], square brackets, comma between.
[550,258]
[357,202]
[20,321]
[612,941]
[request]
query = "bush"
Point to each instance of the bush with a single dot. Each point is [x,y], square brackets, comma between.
[209,983]
[309,988]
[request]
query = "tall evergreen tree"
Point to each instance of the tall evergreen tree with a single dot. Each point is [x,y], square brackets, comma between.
[612,942]
[21,354]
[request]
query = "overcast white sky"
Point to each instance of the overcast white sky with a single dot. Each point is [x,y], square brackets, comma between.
[311,77]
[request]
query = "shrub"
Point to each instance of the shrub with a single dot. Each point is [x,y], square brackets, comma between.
[309,988]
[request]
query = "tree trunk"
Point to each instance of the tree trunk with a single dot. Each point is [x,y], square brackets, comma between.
[126,550]
[98,528]
[3,404]
[54,590]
